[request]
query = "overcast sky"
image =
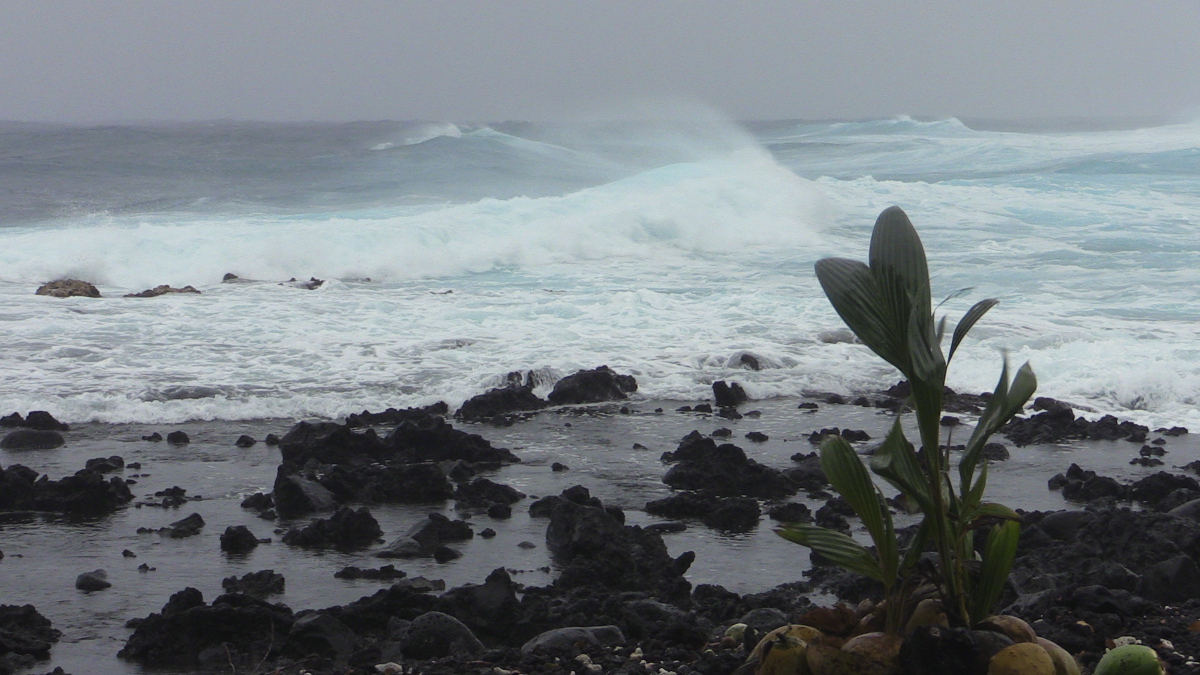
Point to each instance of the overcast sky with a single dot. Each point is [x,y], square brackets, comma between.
[460,60]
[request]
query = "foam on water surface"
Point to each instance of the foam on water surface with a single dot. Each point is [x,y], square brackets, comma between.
[665,253]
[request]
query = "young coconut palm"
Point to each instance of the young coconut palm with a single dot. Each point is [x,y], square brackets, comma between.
[886,303]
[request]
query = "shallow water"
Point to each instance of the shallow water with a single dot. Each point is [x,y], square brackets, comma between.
[45,553]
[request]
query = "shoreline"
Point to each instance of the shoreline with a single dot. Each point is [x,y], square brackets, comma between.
[597,446]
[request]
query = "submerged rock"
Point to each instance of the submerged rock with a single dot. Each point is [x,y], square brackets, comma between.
[92,581]
[483,493]
[164,289]
[258,584]
[723,470]
[86,493]
[31,439]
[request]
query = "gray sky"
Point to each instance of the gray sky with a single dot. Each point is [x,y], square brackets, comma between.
[463,60]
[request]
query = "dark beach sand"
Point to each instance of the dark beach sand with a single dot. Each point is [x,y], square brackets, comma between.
[44,553]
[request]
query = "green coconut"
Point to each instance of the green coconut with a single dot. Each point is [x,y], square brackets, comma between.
[1130,660]
[785,656]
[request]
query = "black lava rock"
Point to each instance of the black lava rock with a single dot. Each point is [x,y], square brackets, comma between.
[729,395]
[238,539]
[31,439]
[592,386]
[347,529]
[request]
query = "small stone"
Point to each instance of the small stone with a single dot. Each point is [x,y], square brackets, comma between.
[757,437]
[128,554]
[487,533]
[559,466]
[527,545]
[271,440]
[153,438]
[244,441]
[178,438]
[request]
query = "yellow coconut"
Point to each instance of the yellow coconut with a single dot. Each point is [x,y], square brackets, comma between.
[826,659]
[1016,629]
[1064,663]
[929,612]
[801,632]
[881,647]
[1130,660]
[1023,658]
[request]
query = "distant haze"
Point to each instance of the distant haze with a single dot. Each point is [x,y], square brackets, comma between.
[303,60]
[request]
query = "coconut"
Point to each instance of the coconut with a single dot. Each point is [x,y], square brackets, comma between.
[1014,628]
[988,644]
[790,641]
[1064,663]
[929,612]
[1130,660]
[1023,658]
[881,647]
[784,655]
[824,659]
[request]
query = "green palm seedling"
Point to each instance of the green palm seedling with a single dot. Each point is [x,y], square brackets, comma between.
[886,303]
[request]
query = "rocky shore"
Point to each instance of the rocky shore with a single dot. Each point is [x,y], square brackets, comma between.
[1121,563]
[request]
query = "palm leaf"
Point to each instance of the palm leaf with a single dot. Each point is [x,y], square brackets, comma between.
[839,548]
[855,296]
[896,462]
[969,319]
[849,477]
[998,556]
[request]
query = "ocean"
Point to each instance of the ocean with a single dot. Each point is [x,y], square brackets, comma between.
[453,254]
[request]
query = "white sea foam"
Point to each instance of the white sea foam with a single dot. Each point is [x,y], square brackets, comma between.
[670,273]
